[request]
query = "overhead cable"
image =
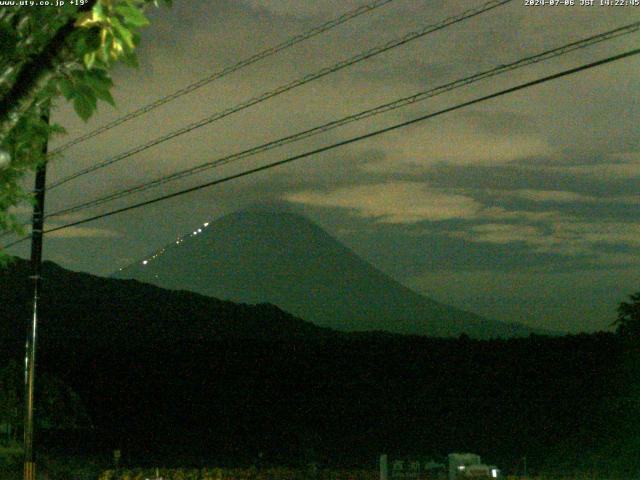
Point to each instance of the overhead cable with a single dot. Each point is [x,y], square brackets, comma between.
[287,87]
[342,143]
[227,71]
[402,102]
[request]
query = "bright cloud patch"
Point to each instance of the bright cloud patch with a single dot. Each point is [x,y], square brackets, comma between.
[604,170]
[504,233]
[398,202]
[564,238]
[552,196]
[613,166]
[501,214]
[606,232]
[82,232]
[469,148]
[558,196]
[455,145]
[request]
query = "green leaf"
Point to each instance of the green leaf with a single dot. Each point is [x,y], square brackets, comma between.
[56,129]
[122,33]
[87,92]
[83,107]
[98,10]
[85,101]
[89,59]
[105,95]
[136,3]
[66,88]
[104,49]
[92,37]
[132,16]
[80,46]
[78,75]
[136,38]
[8,40]
[98,80]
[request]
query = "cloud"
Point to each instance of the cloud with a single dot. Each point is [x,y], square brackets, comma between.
[603,170]
[605,232]
[460,155]
[608,166]
[457,141]
[625,157]
[603,242]
[503,233]
[567,197]
[297,8]
[552,196]
[83,232]
[395,202]
[502,214]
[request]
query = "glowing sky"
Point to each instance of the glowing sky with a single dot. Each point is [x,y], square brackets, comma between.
[524,208]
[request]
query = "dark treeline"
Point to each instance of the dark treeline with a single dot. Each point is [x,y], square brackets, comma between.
[179,379]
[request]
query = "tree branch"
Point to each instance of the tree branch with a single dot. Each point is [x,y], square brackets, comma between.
[34,76]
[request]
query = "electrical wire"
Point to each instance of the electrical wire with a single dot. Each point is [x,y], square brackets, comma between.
[358,138]
[227,71]
[421,96]
[288,87]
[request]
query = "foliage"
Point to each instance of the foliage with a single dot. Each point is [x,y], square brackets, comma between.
[9,397]
[55,52]
[628,321]
[274,473]
[59,407]
[11,455]
[174,378]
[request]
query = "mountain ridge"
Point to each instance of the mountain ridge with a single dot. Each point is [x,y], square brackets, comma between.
[285,259]
[167,375]
[103,311]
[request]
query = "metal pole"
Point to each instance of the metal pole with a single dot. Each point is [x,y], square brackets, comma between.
[30,357]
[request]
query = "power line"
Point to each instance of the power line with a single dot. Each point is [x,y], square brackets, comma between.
[226,71]
[397,126]
[289,86]
[546,55]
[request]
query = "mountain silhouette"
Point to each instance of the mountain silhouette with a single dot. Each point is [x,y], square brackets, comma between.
[102,312]
[286,260]
[175,377]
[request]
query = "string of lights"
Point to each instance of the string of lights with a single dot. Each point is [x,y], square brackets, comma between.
[447,22]
[402,102]
[342,143]
[361,10]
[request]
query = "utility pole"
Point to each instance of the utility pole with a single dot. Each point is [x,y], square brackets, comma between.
[36,267]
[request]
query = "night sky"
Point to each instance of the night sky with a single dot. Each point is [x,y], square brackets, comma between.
[524,208]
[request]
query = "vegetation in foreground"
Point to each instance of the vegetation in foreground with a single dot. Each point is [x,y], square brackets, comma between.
[175,379]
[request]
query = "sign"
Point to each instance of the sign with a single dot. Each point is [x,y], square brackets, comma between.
[407,468]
